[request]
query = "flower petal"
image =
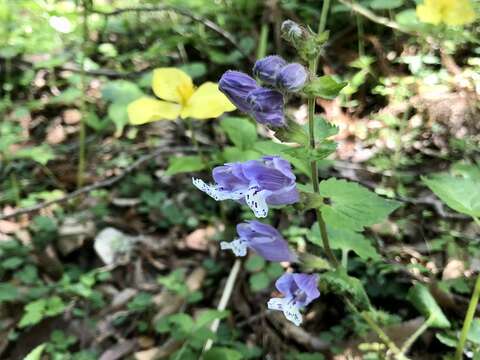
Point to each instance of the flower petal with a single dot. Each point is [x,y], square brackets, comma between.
[145,110]
[207,102]
[290,311]
[172,84]
[429,12]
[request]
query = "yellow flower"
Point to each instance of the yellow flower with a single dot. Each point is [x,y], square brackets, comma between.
[181,99]
[450,12]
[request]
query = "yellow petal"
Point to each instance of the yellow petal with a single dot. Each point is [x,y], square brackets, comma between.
[207,102]
[172,85]
[459,12]
[430,12]
[145,110]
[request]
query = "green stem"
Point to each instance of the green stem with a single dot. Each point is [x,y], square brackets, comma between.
[468,319]
[411,340]
[82,130]
[361,35]
[15,187]
[323,16]
[477,220]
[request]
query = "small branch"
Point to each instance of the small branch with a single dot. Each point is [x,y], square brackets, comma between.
[222,305]
[208,23]
[97,185]
[374,17]
[411,340]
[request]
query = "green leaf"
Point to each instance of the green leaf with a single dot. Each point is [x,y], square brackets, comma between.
[184,164]
[293,132]
[259,281]
[117,112]
[269,147]
[352,206]
[34,313]
[447,339]
[325,87]
[424,302]
[207,316]
[461,194]
[241,132]
[304,153]
[183,322]
[338,282]
[322,128]
[345,239]
[41,154]
[54,306]
[474,332]
[35,354]
[234,154]
[8,292]
[255,263]
[222,353]
[121,91]
[386,4]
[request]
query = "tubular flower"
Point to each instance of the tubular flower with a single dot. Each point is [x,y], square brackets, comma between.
[266,69]
[298,291]
[256,183]
[179,98]
[450,12]
[265,105]
[263,239]
[292,77]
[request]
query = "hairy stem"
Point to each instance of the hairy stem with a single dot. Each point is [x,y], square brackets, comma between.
[227,292]
[472,306]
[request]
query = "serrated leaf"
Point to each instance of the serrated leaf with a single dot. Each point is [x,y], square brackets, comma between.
[241,132]
[325,87]
[304,153]
[461,194]
[348,240]
[41,154]
[352,206]
[420,297]
[292,133]
[269,147]
[322,128]
[338,282]
[184,164]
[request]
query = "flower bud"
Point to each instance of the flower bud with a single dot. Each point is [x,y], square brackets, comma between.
[292,32]
[266,69]
[236,86]
[292,77]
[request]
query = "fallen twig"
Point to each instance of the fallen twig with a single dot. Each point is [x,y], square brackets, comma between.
[100,184]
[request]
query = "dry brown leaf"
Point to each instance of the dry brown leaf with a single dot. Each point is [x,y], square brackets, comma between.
[56,134]
[198,240]
[9,227]
[72,116]
[149,354]
[454,269]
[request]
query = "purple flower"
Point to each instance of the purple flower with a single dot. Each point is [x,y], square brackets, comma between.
[298,291]
[267,106]
[263,239]
[292,77]
[266,69]
[236,86]
[256,183]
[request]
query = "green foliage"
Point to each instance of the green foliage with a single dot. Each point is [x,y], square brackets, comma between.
[37,310]
[325,87]
[35,354]
[262,274]
[222,353]
[462,194]
[351,206]
[183,164]
[340,283]
[347,240]
[420,297]
[241,132]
